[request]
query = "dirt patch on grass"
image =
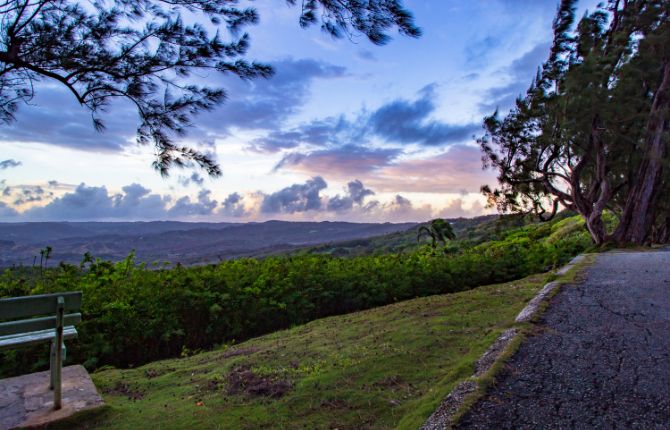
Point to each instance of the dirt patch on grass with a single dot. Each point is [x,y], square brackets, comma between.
[335,404]
[390,383]
[242,380]
[123,389]
[155,373]
[239,351]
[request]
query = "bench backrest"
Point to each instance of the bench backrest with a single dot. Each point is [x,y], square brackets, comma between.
[29,307]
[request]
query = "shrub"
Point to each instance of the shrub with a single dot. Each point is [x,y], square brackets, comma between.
[133,315]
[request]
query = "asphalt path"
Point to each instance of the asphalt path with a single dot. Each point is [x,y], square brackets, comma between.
[600,357]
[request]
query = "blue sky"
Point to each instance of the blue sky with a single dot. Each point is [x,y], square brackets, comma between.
[344,131]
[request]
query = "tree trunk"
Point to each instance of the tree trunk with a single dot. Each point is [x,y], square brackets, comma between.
[662,233]
[638,215]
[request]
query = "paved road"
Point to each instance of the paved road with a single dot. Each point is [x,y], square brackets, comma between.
[601,358]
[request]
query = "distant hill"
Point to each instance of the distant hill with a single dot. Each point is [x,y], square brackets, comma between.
[168,241]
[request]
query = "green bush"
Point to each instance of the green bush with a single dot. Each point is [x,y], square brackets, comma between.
[133,314]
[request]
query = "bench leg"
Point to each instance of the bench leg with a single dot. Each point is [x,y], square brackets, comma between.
[57,383]
[52,363]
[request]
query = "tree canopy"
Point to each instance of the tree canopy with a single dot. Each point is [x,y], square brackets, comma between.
[592,132]
[439,230]
[145,51]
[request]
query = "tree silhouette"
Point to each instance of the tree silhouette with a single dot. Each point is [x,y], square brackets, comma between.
[591,134]
[439,230]
[145,51]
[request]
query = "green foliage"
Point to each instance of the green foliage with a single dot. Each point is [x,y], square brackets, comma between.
[591,133]
[133,315]
[382,368]
[439,230]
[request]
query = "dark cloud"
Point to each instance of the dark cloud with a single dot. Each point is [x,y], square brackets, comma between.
[85,203]
[296,198]
[401,202]
[355,195]
[400,121]
[184,207]
[95,203]
[404,121]
[6,190]
[6,164]
[30,194]
[520,73]
[339,162]
[233,206]
[332,131]
[195,179]
[137,202]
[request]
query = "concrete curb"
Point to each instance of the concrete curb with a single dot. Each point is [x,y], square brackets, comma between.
[445,413]
[531,308]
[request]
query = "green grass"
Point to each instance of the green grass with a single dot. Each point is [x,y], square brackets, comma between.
[387,367]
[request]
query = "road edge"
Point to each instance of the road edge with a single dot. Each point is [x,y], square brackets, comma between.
[467,392]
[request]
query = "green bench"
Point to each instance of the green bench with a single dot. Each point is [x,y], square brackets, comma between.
[38,319]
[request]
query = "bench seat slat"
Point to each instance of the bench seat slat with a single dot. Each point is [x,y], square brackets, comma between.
[32,338]
[36,324]
[43,304]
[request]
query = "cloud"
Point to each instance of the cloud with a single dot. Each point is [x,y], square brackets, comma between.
[355,195]
[137,202]
[457,209]
[340,162]
[29,194]
[7,164]
[457,169]
[399,209]
[344,147]
[404,121]
[184,207]
[86,203]
[296,198]
[195,179]
[233,206]
[301,201]
[520,74]
[331,131]
[400,122]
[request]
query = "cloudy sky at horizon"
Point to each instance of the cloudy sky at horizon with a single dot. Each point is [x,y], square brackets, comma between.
[344,131]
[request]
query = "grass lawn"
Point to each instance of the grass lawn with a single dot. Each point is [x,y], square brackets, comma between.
[383,368]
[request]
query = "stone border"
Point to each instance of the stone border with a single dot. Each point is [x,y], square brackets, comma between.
[443,416]
[531,308]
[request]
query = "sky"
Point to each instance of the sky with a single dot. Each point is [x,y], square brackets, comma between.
[345,130]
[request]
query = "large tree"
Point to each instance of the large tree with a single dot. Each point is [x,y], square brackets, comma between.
[592,132]
[144,51]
